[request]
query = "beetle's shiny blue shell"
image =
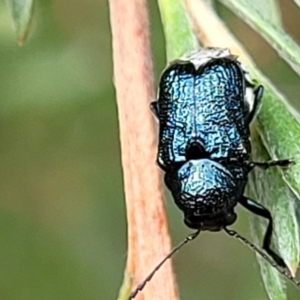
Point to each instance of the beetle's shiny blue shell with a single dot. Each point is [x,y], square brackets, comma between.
[207,192]
[203,105]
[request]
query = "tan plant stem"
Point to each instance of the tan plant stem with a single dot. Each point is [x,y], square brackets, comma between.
[148,238]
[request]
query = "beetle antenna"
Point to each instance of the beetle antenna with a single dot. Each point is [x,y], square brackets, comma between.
[140,287]
[284,272]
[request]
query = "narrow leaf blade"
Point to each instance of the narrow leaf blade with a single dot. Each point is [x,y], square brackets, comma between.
[297,2]
[268,188]
[21,11]
[178,31]
[286,47]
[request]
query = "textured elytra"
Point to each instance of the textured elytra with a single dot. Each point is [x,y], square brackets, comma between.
[204,117]
[202,106]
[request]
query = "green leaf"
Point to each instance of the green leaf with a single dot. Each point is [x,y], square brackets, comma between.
[178,32]
[297,2]
[274,134]
[279,129]
[21,11]
[270,9]
[259,20]
[267,188]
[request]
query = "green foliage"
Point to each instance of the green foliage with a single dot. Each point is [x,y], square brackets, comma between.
[176,27]
[266,22]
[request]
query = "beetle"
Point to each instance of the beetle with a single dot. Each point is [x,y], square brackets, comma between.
[206,102]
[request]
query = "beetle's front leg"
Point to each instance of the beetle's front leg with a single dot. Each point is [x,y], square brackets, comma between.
[283,163]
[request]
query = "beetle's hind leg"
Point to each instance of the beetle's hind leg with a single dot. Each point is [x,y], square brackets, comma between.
[283,163]
[260,210]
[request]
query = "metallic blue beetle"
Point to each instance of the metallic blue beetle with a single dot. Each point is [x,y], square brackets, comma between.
[206,101]
[205,104]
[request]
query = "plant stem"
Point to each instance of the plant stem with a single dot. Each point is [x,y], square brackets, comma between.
[148,238]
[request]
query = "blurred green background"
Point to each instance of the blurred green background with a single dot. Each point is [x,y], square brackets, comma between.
[62,214]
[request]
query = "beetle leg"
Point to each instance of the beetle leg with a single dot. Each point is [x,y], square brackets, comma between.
[258,94]
[283,163]
[154,108]
[259,210]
